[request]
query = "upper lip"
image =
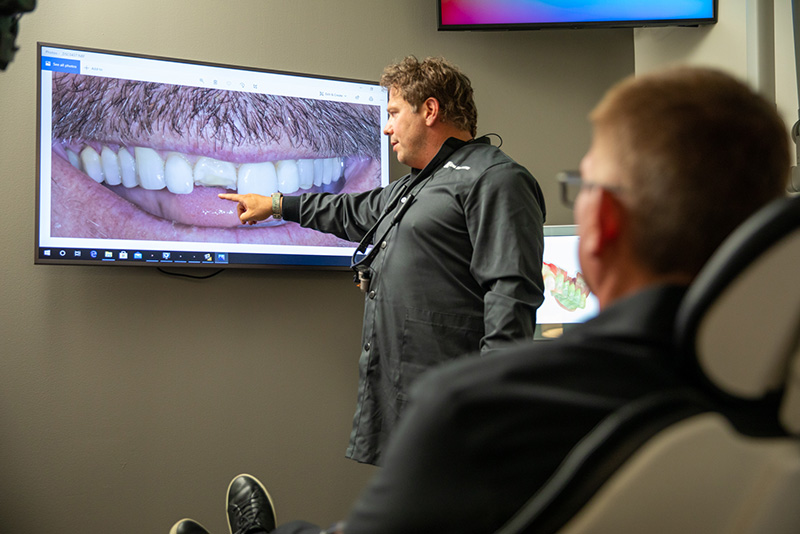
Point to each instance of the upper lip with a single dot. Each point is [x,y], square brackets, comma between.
[222,124]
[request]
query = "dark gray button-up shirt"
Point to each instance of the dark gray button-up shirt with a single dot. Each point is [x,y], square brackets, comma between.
[460,273]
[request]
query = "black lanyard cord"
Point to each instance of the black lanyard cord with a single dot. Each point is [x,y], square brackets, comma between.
[406,198]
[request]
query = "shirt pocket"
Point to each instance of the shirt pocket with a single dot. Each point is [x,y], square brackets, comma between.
[431,338]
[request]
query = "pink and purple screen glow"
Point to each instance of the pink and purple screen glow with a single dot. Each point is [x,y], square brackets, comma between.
[476,12]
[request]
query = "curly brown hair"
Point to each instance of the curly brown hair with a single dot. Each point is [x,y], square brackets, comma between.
[435,77]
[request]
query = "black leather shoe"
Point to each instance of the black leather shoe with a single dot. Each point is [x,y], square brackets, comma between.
[250,508]
[187,526]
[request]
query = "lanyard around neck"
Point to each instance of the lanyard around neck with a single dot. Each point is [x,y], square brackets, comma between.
[405,199]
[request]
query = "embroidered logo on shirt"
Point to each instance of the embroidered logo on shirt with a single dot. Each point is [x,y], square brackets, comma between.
[451,165]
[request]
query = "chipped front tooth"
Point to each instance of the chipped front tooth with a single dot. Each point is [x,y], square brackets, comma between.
[90,161]
[288,176]
[110,163]
[178,174]
[74,159]
[149,168]
[213,172]
[305,171]
[259,178]
[319,171]
[127,167]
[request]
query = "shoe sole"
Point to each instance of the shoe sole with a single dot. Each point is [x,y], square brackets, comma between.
[269,498]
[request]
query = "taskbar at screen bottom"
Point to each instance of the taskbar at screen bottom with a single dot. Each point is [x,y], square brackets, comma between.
[92,256]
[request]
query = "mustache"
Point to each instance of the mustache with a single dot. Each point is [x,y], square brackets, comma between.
[130,112]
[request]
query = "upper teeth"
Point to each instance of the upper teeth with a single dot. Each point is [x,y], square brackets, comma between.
[146,168]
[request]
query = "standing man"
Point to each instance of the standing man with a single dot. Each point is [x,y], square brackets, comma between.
[456,261]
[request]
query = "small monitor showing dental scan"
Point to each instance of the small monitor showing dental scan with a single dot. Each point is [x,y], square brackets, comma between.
[567,299]
[133,151]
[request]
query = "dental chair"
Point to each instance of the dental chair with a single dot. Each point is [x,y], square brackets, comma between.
[727,459]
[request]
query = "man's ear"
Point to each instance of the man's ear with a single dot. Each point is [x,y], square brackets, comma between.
[601,223]
[430,110]
[610,218]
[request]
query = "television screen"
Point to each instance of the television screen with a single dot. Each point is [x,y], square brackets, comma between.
[539,14]
[133,151]
[567,299]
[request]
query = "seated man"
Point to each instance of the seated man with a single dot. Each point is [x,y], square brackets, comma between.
[678,160]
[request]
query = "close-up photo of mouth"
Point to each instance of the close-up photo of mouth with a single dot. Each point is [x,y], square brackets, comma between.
[146,161]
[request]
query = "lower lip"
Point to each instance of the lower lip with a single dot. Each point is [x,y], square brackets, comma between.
[74,193]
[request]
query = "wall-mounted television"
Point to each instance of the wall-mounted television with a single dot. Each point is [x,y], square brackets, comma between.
[567,299]
[134,149]
[542,14]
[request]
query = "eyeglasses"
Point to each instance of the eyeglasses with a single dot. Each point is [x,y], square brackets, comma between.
[572,182]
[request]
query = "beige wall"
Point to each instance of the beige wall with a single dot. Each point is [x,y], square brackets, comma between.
[753,40]
[128,399]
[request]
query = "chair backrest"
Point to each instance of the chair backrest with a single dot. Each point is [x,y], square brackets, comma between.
[669,463]
[741,317]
